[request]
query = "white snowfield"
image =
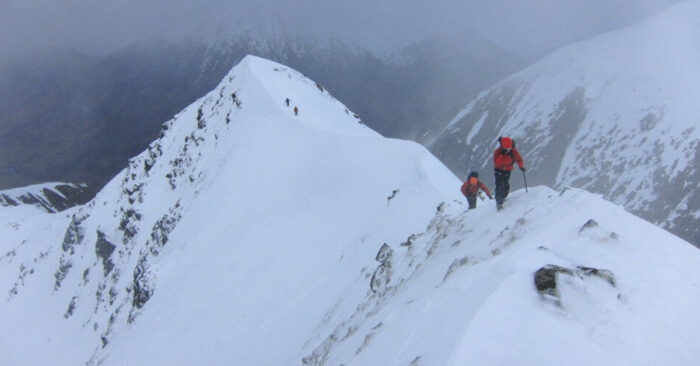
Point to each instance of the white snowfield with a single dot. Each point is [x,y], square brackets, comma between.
[246,235]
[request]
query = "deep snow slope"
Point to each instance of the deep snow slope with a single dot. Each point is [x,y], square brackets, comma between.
[615,290]
[225,242]
[49,197]
[617,115]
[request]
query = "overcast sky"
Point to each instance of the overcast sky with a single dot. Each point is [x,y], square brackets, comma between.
[524,27]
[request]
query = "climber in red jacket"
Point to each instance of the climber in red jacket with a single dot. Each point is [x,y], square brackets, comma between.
[471,187]
[503,159]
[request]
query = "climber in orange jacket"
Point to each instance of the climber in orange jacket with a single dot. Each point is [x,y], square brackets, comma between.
[503,159]
[471,187]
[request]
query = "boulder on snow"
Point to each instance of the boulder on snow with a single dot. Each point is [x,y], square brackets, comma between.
[588,225]
[546,277]
[595,231]
[384,254]
[381,277]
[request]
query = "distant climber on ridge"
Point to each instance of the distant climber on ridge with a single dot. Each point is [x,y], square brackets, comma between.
[471,187]
[503,159]
[286,101]
[296,110]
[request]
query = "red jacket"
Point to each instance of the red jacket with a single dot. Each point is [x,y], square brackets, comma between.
[471,190]
[505,161]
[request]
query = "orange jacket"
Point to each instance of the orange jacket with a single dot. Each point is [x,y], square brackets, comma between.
[503,160]
[469,189]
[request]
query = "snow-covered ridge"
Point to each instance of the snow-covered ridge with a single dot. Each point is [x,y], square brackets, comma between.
[556,278]
[49,197]
[249,235]
[236,191]
[615,115]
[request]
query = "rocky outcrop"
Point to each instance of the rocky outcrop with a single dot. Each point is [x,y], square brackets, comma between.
[51,197]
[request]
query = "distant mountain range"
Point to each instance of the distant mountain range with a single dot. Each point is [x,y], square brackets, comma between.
[70,117]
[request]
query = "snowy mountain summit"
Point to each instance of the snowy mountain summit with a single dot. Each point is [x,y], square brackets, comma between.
[249,234]
[616,115]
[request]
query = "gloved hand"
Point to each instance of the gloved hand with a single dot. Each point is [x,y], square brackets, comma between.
[490,197]
[523,168]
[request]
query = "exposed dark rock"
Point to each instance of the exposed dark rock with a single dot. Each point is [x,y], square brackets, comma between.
[62,272]
[393,194]
[593,230]
[135,189]
[74,234]
[76,195]
[31,199]
[384,254]
[86,275]
[546,279]
[142,290]
[70,196]
[440,208]
[381,277]
[588,225]
[104,250]
[113,292]
[162,228]
[409,241]
[127,225]
[147,165]
[71,307]
[201,123]
[5,200]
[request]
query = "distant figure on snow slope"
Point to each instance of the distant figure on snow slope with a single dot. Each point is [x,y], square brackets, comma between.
[296,110]
[286,101]
[503,159]
[471,187]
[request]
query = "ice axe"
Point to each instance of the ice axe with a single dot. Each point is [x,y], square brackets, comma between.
[524,179]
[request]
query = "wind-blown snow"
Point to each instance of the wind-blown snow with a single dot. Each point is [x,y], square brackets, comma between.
[247,235]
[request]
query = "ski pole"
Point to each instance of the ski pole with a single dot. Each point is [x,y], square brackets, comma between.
[525,180]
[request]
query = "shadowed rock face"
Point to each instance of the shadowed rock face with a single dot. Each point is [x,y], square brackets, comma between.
[51,198]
